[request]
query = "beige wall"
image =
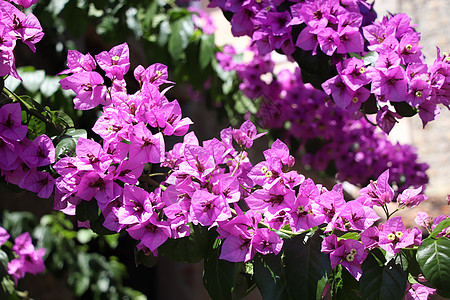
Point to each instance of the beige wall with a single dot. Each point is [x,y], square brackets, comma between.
[433,22]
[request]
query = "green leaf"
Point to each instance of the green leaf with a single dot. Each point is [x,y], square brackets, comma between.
[218,276]
[36,127]
[439,227]
[60,117]
[87,211]
[350,236]
[56,6]
[413,265]
[8,285]
[343,285]
[306,267]
[269,278]
[182,30]
[243,284]
[207,52]
[84,236]
[65,147]
[164,33]
[433,257]
[148,260]
[190,249]
[75,19]
[68,142]
[380,280]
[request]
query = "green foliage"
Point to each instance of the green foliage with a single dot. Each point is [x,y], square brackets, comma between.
[219,275]
[433,257]
[269,277]
[300,270]
[382,279]
[343,285]
[68,254]
[306,267]
[192,248]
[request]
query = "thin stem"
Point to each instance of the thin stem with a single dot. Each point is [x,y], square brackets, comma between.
[33,112]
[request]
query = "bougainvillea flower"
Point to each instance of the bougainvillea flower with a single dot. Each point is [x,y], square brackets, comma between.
[379,192]
[4,236]
[11,122]
[411,197]
[78,62]
[145,146]
[89,89]
[115,62]
[394,236]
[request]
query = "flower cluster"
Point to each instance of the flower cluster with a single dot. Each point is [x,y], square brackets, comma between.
[346,32]
[328,133]
[205,182]
[14,24]
[28,260]
[425,220]
[358,215]
[398,74]
[23,160]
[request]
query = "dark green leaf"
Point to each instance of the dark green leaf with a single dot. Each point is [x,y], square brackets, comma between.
[433,257]
[36,127]
[269,278]
[68,142]
[382,281]
[60,117]
[218,276]
[306,267]
[87,211]
[148,260]
[190,249]
[66,147]
[343,285]
[413,265]
[75,18]
[243,284]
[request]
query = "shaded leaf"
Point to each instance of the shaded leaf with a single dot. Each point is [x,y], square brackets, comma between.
[148,260]
[343,285]
[269,278]
[381,280]
[306,267]
[218,276]
[243,284]
[190,249]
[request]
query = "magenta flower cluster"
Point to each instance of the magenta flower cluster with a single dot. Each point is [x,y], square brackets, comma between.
[27,260]
[23,160]
[14,25]
[358,150]
[345,30]
[206,181]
